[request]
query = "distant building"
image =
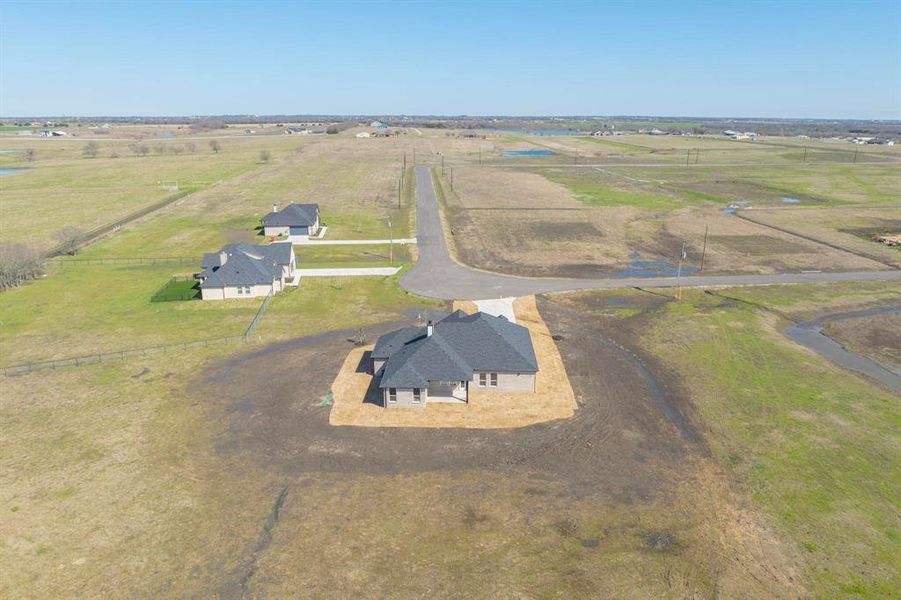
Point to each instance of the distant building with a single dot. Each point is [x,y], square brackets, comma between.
[378,124]
[296,221]
[363,134]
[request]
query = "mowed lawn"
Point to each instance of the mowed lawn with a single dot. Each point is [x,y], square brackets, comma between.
[89,309]
[328,303]
[815,446]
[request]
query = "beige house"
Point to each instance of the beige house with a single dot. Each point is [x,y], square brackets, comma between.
[440,362]
[246,271]
[296,222]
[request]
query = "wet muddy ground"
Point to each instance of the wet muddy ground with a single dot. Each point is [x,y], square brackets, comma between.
[631,432]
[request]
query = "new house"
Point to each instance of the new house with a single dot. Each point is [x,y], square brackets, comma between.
[441,361]
[246,270]
[296,221]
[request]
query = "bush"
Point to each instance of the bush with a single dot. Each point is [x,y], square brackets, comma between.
[18,263]
[90,150]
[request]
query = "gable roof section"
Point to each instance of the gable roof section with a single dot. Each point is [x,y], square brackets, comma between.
[293,215]
[459,346]
[422,360]
[245,264]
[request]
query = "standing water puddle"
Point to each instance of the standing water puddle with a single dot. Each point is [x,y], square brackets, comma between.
[810,334]
[11,170]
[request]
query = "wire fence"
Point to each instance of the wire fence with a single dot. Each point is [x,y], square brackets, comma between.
[137,260]
[110,356]
[256,318]
[91,359]
[92,235]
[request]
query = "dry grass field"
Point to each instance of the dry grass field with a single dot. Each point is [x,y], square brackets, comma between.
[709,455]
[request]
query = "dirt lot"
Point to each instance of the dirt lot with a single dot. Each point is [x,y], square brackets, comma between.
[632,443]
[357,400]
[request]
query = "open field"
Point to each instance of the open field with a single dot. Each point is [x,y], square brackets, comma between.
[709,455]
[61,187]
[584,223]
[625,499]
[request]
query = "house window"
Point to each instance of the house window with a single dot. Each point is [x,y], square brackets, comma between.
[483,379]
[240,290]
[392,395]
[417,395]
[246,289]
[493,380]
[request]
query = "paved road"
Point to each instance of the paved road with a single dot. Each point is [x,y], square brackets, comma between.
[436,275]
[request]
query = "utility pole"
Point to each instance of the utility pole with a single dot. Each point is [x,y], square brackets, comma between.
[855,156]
[400,187]
[687,157]
[442,165]
[805,154]
[704,251]
[480,156]
[679,271]
[414,156]
[390,243]
[452,178]
[697,155]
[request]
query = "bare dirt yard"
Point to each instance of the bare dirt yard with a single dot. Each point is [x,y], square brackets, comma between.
[628,476]
[357,399]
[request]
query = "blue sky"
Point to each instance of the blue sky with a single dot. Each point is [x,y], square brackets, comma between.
[767,59]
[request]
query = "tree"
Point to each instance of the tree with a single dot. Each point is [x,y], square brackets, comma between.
[214,146]
[190,147]
[143,149]
[18,263]
[69,239]
[30,154]
[265,156]
[90,150]
[160,148]
[331,129]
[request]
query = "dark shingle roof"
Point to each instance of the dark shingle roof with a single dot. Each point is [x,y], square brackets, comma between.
[460,345]
[245,264]
[293,215]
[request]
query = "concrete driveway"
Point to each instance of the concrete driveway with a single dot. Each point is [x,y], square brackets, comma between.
[435,274]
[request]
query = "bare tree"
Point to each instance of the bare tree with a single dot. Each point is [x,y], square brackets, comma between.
[265,155]
[69,239]
[160,148]
[143,149]
[190,147]
[215,146]
[18,263]
[90,150]
[178,149]
[30,154]
[114,154]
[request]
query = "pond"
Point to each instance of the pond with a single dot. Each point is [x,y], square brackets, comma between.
[11,170]
[537,152]
[791,201]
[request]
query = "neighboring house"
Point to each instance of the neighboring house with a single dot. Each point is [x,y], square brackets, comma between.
[246,270]
[363,134]
[439,362]
[297,221]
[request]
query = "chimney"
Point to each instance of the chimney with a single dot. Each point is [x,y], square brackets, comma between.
[429,329]
[275,208]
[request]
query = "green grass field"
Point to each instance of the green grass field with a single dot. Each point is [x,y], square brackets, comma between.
[89,309]
[814,446]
